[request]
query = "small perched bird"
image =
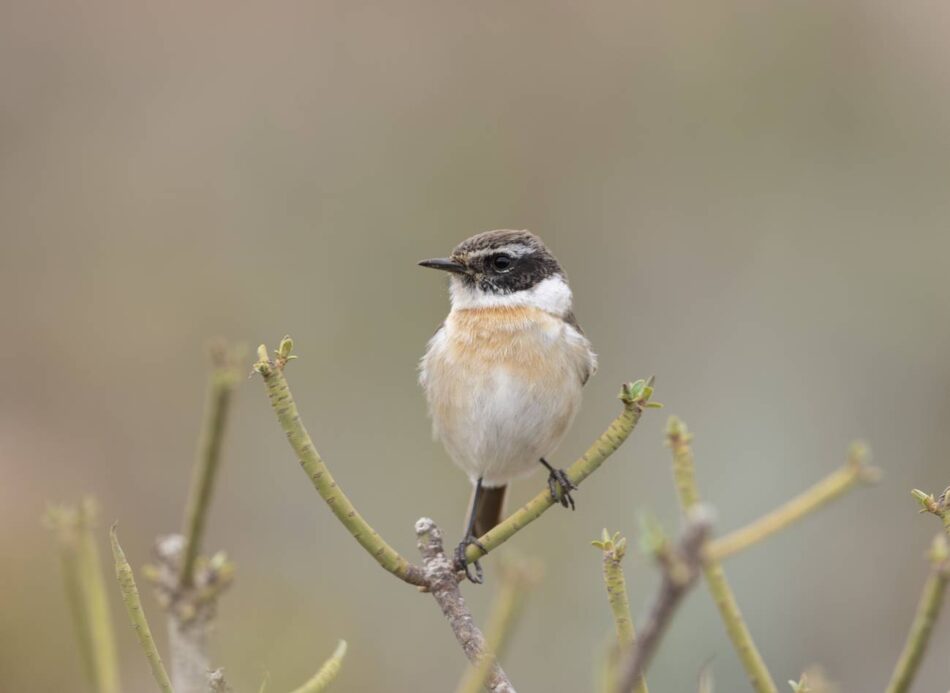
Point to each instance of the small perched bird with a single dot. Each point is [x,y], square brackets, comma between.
[503,375]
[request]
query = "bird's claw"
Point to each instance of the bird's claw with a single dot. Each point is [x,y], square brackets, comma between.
[561,486]
[463,565]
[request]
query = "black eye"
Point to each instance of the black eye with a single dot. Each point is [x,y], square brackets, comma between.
[501,262]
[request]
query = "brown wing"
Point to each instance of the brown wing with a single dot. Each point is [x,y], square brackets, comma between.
[571,320]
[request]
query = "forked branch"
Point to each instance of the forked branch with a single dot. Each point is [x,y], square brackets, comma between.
[681,565]
[635,397]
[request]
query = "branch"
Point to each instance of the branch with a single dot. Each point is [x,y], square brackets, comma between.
[133,605]
[516,579]
[927,611]
[614,548]
[855,472]
[683,472]
[635,397]
[328,671]
[86,592]
[680,566]
[286,409]
[217,683]
[191,610]
[442,582]
[224,376]
[939,506]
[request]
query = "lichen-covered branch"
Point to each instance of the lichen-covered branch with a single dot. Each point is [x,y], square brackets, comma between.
[133,606]
[191,610]
[86,593]
[854,473]
[224,376]
[681,565]
[635,397]
[928,609]
[442,582]
[516,578]
[679,439]
[327,672]
[614,547]
[217,683]
[286,409]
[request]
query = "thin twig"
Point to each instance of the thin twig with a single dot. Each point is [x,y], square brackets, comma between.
[442,582]
[286,409]
[133,605]
[614,547]
[517,577]
[927,611]
[854,473]
[327,672]
[635,397]
[684,475]
[86,592]
[939,506]
[681,565]
[221,382]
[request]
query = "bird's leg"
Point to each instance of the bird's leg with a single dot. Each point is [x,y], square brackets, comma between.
[559,485]
[469,540]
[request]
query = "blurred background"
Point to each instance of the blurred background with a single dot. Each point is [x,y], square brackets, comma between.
[750,200]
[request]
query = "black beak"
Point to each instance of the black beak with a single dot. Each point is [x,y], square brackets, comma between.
[444,263]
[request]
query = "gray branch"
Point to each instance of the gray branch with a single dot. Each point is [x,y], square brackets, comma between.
[442,581]
[191,614]
[681,566]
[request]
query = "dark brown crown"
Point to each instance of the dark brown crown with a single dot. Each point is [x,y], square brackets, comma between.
[504,261]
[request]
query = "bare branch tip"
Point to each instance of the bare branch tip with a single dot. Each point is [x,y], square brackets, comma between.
[424,525]
[677,433]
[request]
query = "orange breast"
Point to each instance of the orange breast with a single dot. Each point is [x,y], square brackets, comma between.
[524,340]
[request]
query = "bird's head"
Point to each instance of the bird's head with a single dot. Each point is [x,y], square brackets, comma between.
[505,267]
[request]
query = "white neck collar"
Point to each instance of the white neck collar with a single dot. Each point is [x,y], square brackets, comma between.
[552,295]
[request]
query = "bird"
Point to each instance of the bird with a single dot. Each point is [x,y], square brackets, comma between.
[503,375]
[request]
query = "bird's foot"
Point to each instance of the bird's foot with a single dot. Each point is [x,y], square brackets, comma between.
[463,565]
[560,486]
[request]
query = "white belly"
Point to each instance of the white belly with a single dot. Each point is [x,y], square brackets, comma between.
[503,389]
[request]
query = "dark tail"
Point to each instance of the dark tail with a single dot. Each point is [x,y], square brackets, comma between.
[486,507]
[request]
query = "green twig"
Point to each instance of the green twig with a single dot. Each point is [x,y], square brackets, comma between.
[133,605]
[86,592]
[614,547]
[854,473]
[223,378]
[635,397]
[516,579]
[927,611]
[327,672]
[939,506]
[286,409]
[684,475]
